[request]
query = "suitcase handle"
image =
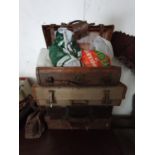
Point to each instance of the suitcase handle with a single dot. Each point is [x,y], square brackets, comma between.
[75,21]
[51,97]
[79,21]
[79,102]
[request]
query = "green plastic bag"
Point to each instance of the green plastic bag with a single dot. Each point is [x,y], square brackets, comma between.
[64,51]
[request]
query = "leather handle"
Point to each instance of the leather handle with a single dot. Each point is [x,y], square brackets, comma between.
[79,21]
[72,22]
[80,102]
[75,21]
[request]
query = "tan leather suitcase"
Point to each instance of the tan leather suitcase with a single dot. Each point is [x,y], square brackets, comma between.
[65,96]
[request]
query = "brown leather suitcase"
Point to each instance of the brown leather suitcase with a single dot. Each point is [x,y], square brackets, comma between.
[73,95]
[83,76]
[57,112]
[78,117]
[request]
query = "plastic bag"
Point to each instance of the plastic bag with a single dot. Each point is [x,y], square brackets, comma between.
[104,59]
[64,51]
[43,58]
[103,45]
[93,58]
[94,42]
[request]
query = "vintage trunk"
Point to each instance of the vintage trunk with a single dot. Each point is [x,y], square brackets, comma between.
[58,112]
[78,117]
[54,76]
[75,76]
[65,96]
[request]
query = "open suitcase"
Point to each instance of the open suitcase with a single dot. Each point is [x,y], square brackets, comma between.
[49,76]
[78,87]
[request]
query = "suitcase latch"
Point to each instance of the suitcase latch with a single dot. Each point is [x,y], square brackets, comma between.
[50,80]
[106,99]
[52,98]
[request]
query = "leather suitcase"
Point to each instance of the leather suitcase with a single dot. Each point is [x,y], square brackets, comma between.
[78,117]
[55,76]
[78,76]
[66,96]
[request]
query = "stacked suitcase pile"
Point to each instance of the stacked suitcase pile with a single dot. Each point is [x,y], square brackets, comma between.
[78,97]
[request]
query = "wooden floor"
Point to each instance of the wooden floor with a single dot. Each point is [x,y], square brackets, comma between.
[72,142]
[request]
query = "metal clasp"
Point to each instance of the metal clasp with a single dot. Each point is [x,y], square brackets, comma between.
[52,98]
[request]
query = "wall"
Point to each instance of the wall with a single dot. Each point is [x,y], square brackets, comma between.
[34,13]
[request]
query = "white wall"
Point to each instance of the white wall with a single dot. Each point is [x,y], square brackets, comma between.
[34,13]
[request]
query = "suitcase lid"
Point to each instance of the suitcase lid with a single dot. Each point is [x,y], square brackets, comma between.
[104,30]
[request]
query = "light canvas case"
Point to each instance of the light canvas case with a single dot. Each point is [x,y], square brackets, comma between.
[68,96]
